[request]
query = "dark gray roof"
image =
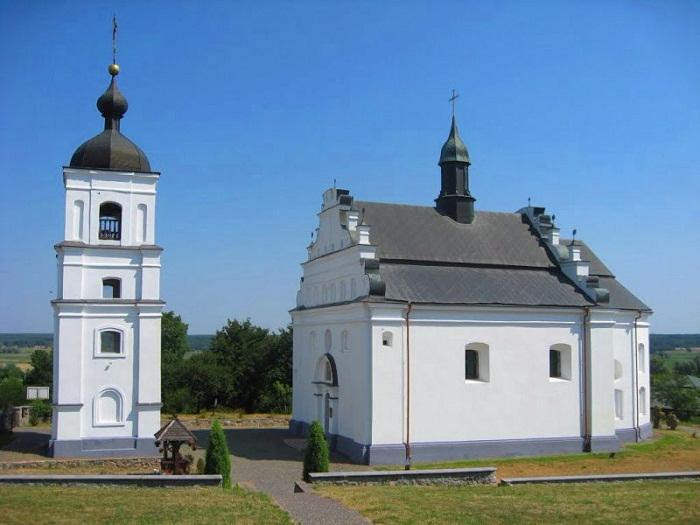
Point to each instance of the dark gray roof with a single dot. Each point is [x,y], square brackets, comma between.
[473,285]
[420,233]
[110,149]
[498,259]
[621,297]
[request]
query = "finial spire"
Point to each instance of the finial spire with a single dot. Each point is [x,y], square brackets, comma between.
[114,67]
[452,99]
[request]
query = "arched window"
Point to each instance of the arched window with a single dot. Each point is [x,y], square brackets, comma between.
[324,294]
[108,408]
[111,288]
[560,361]
[344,345]
[328,340]
[641,359]
[110,221]
[312,341]
[110,342]
[476,362]
[642,400]
[333,298]
[471,360]
[343,292]
[326,371]
[78,211]
[618,370]
[141,223]
[353,288]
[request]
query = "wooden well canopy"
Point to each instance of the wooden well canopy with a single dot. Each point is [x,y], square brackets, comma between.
[172,436]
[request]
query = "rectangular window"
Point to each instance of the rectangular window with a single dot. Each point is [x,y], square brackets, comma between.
[471,358]
[110,342]
[554,363]
[111,288]
[618,404]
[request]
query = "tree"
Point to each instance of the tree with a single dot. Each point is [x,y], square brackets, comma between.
[11,392]
[173,347]
[41,373]
[242,349]
[316,453]
[218,460]
[173,338]
[676,391]
[657,365]
[11,370]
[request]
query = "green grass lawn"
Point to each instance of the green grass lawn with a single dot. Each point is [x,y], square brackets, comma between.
[110,504]
[629,502]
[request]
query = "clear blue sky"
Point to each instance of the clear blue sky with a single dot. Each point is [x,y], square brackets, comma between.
[251,109]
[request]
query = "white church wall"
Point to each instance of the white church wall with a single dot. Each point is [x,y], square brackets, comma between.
[518,401]
[353,405]
[95,187]
[645,371]
[342,271]
[103,399]
[602,373]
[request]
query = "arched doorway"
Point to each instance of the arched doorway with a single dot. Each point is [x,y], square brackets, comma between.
[326,381]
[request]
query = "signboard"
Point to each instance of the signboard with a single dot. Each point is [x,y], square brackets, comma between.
[37,392]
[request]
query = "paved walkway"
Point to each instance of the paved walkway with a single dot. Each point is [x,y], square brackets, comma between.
[270,460]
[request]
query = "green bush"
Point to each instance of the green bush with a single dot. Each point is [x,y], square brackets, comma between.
[671,421]
[316,453]
[41,409]
[218,460]
[200,466]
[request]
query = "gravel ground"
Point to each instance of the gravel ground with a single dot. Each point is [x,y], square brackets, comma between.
[270,460]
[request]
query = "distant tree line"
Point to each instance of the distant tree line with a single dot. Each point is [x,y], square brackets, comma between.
[244,367]
[662,342]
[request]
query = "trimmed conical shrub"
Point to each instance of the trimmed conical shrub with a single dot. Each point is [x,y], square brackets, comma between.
[218,460]
[316,453]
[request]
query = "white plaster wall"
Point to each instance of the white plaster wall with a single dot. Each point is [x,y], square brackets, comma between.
[95,187]
[644,373]
[602,372]
[519,400]
[80,372]
[82,270]
[353,407]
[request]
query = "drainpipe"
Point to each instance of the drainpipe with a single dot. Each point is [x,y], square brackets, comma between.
[585,379]
[635,380]
[407,443]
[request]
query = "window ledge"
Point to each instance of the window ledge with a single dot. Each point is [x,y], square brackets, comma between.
[559,380]
[113,424]
[109,356]
[476,381]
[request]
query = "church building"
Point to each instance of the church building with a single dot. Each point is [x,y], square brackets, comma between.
[442,332]
[107,311]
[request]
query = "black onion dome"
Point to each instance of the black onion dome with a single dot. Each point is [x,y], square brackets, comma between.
[112,102]
[454,150]
[110,149]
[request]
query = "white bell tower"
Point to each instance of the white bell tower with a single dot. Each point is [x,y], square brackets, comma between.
[107,311]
